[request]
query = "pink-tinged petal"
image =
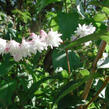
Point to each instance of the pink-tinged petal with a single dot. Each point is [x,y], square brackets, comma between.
[32,34]
[7,49]
[43,33]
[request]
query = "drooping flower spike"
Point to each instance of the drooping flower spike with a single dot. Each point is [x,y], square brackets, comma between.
[39,43]
[84,30]
[30,45]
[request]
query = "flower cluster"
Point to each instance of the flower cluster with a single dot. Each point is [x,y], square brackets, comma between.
[84,30]
[30,45]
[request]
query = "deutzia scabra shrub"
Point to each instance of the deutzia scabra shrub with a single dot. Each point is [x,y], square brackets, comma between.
[54,54]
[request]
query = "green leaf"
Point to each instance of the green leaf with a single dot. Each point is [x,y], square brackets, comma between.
[100,17]
[72,86]
[36,59]
[80,8]
[84,72]
[51,16]
[105,3]
[6,65]
[6,92]
[68,23]
[107,96]
[94,2]
[68,101]
[106,10]
[22,16]
[100,3]
[12,32]
[103,35]
[60,60]
[43,3]
[99,84]
[35,86]
[64,74]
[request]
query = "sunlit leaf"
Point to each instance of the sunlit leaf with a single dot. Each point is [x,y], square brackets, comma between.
[103,35]
[72,86]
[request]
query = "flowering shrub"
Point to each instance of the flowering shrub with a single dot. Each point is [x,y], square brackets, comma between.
[63,68]
[31,45]
[36,43]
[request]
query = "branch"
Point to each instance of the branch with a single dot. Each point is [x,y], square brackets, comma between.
[99,91]
[94,65]
[89,83]
[68,62]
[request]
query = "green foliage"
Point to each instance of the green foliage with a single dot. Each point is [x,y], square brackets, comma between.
[67,23]
[43,3]
[106,10]
[6,65]
[105,3]
[28,84]
[100,17]
[22,16]
[6,93]
[60,60]
[80,8]
[84,72]
[99,35]
[71,86]
[69,101]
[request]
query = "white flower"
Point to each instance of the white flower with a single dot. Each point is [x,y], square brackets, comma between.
[84,30]
[103,62]
[2,46]
[87,43]
[30,79]
[25,48]
[32,36]
[17,57]
[30,45]
[13,48]
[38,45]
[73,38]
[59,69]
[53,39]
[43,35]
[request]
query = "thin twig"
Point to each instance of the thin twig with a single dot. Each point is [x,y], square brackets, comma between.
[94,65]
[68,62]
[89,83]
[99,91]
